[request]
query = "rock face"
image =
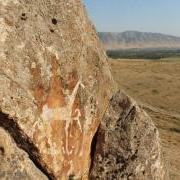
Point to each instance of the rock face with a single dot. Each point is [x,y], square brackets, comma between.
[15,164]
[55,83]
[55,86]
[127,144]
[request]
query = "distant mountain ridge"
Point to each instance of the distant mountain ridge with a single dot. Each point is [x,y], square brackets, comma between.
[136,39]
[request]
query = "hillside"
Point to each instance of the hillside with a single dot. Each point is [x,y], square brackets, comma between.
[155,85]
[135,39]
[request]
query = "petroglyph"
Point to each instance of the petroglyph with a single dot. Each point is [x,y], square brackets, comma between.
[64,113]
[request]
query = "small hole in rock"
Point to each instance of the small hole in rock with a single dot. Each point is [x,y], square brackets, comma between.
[2,151]
[52,30]
[54,21]
[23,17]
[71,177]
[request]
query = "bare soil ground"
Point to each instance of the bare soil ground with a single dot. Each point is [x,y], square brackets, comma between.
[155,84]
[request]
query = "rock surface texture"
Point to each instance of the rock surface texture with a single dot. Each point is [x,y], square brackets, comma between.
[14,163]
[127,144]
[55,83]
[55,87]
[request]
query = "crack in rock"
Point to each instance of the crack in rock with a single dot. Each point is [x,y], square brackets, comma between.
[24,143]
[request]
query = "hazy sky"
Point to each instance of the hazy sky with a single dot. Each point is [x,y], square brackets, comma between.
[143,15]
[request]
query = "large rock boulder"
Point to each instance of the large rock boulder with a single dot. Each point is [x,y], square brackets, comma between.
[127,144]
[55,87]
[55,82]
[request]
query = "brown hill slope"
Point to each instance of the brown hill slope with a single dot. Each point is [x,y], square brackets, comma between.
[155,84]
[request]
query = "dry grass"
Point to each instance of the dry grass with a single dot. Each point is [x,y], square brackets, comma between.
[156,83]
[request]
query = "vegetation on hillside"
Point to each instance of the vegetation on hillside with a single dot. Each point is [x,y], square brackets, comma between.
[143,53]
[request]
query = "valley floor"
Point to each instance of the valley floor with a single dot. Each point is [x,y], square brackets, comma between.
[155,84]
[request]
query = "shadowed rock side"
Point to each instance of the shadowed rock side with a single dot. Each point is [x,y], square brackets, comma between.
[15,163]
[127,144]
[55,82]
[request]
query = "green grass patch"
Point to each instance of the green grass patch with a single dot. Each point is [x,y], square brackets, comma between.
[143,53]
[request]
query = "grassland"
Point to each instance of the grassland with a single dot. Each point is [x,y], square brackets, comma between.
[155,84]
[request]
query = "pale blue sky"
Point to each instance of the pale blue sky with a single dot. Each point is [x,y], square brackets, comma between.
[161,16]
